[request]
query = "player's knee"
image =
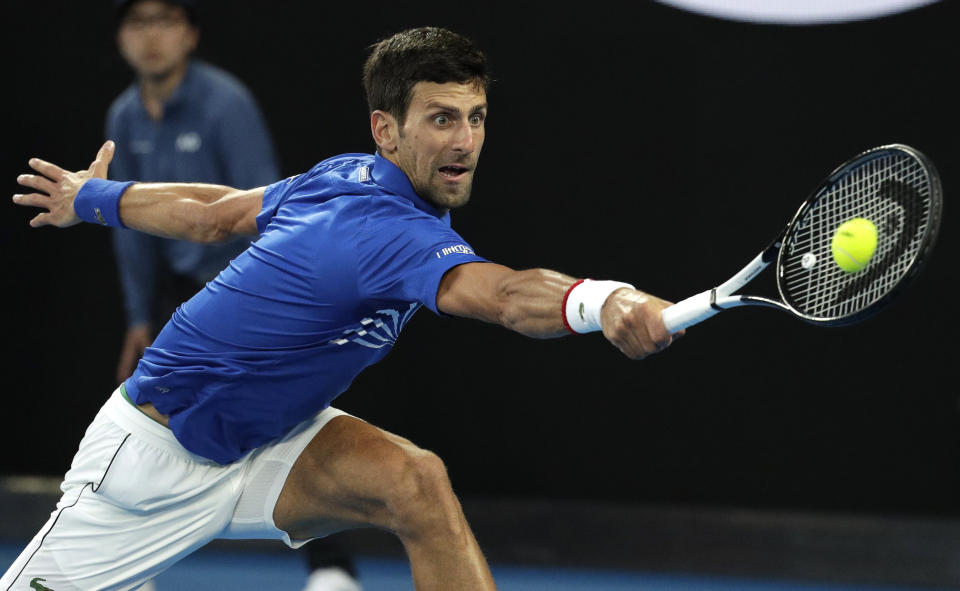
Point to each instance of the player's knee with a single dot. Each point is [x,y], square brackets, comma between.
[417,477]
[421,497]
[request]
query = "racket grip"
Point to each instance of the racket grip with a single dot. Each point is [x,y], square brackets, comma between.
[688,312]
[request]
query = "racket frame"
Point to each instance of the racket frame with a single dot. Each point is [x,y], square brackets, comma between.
[699,307]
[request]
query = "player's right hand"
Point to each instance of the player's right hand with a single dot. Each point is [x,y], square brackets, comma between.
[57,188]
[632,321]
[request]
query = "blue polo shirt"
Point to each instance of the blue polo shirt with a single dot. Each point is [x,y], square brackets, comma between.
[347,253]
[211,131]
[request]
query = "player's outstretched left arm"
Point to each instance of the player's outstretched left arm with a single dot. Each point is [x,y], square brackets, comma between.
[544,304]
[187,211]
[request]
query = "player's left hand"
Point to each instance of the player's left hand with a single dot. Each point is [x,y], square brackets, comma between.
[632,321]
[58,188]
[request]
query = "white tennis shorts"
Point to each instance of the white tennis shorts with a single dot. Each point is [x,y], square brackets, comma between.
[135,502]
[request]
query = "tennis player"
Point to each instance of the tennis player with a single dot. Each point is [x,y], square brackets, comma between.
[225,429]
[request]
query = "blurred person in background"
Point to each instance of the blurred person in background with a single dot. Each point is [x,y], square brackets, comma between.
[186,120]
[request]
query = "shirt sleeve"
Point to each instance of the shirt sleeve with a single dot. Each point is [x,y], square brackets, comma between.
[273,196]
[404,258]
[246,148]
[138,256]
[120,168]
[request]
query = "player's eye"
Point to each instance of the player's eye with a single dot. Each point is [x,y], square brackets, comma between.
[476,119]
[441,120]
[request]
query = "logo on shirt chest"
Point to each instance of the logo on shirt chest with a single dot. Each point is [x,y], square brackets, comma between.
[378,332]
[189,141]
[141,147]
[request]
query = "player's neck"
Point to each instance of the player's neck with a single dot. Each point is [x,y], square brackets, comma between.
[156,89]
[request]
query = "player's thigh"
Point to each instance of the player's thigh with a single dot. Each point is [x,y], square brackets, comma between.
[92,544]
[134,503]
[266,470]
[349,475]
[330,473]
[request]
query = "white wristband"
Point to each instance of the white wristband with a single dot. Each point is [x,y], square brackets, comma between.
[584,301]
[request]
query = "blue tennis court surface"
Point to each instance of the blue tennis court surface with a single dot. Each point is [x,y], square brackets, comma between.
[247,571]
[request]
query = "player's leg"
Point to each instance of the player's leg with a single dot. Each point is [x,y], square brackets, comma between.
[134,503]
[352,474]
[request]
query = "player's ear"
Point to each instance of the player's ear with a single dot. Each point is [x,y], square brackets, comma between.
[193,39]
[121,47]
[385,131]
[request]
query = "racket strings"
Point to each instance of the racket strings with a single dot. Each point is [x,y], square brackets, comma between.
[905,227]
[892,191]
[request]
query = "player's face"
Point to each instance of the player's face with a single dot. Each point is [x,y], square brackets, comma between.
[156,38]
[440,141]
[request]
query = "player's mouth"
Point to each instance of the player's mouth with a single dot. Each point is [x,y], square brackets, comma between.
[453,172]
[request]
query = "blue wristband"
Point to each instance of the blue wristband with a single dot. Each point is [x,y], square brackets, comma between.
[98,202]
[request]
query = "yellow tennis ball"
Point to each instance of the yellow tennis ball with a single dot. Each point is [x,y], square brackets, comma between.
[854,244]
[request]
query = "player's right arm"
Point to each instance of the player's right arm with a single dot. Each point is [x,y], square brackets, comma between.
[532,302]
[185,211]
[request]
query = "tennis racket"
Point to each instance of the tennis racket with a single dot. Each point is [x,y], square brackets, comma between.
[895,187]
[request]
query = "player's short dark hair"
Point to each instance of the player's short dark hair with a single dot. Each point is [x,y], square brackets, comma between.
[425,54]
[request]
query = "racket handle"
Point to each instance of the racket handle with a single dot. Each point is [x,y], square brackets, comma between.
[688,312]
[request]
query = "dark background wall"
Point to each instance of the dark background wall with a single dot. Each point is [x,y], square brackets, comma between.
[642,144]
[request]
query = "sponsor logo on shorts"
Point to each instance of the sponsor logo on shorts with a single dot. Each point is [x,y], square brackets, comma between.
[35,584]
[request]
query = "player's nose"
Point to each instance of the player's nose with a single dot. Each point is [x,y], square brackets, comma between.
[464,140]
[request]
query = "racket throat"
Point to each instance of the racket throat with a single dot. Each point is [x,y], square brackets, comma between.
[728,302]
[713,300]
[690,311]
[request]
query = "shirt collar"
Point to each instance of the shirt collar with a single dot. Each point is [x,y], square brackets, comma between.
[389,176]
[179,94]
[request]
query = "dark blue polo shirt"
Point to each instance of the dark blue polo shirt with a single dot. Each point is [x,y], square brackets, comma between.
[211,132]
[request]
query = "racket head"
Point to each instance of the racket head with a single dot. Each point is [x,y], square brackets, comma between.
[898,189]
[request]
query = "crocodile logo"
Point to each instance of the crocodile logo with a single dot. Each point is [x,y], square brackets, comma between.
[36,584]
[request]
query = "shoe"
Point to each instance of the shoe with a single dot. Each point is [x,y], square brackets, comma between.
[331,579]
